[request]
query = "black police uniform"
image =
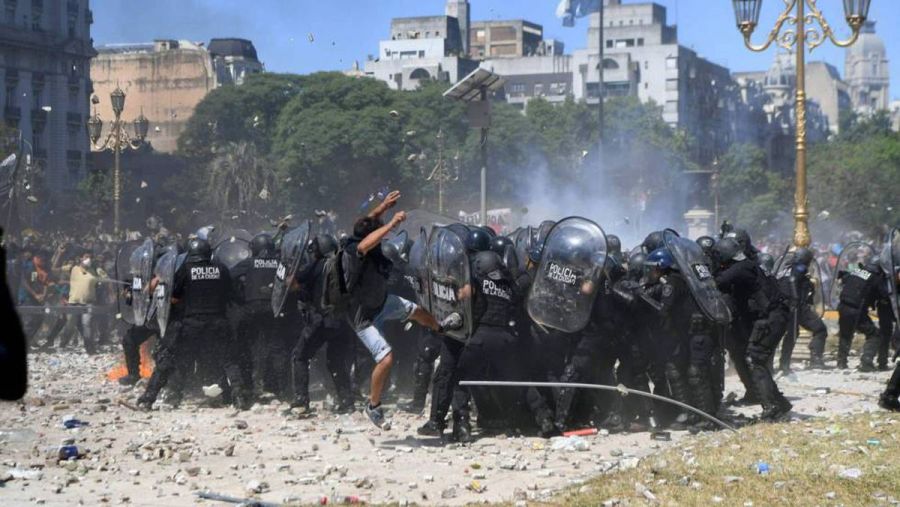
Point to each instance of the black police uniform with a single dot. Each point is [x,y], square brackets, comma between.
[202,335]
[319,329]
[862,287]
[738,281]
[799,290]
[253,279]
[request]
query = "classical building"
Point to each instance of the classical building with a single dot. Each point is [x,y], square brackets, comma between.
[166,79]
[45,49]
[866,72]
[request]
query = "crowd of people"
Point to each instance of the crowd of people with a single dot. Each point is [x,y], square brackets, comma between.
[559,302]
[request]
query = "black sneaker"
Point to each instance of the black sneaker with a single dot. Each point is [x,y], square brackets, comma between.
[431,429]
[889,402]
[129,380]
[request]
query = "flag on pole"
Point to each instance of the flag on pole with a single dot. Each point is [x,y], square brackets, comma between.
[569,10]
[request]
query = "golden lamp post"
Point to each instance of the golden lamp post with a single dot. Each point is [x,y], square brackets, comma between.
[800,33]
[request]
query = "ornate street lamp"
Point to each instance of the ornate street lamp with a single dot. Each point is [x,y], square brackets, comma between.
[802,35]
[117,140]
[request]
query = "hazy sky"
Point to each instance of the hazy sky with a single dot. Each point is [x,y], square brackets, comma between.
[349,30]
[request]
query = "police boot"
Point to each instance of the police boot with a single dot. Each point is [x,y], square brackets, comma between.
[462,430]
[779,408]
[679,393]
[889,402]
[613,423]
[816,362]
[870,348]
[432,429]
[701,389]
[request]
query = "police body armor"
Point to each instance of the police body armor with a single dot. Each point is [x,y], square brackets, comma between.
[856,284]
[259,279]
[809,288]
[206,288]
[852,257]
[568,279]
[495,297]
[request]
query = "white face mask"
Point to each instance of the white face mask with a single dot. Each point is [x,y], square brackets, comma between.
[86,262]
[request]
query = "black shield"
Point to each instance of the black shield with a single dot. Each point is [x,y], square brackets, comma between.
[853,256]
[232,248]
[569,276]
[783,267]
[450,283]
[695,266]
[293,251]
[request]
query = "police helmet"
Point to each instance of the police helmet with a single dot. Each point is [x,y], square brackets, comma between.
[654,241]
[262,244]
[636,264]
[660,258]
[742,237]
[767,262]
[499,244]
[728,249]
[478,240]
[613,244]
[199,250]
[323,245]
[488,264]
[706,243]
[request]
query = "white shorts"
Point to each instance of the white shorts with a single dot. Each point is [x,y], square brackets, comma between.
[395,308]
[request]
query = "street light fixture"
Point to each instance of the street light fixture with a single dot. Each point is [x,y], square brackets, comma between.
[802,36]
[117,140]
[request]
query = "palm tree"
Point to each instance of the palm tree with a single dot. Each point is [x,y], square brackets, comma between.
[238,176]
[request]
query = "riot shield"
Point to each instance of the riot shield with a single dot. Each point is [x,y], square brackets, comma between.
[890,262]
[162,294]
[141,273]
[694,266]
[417,219]
[417,269]
[232,248]
[293,250]
[569,276]
[523,241]
[123,274]
[783,267]
[853,256]
[450,282]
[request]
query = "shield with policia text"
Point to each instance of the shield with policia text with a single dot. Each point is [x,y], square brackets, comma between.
[165,269]
[890,262]
[568,279]
[141,273]
[694,265]
[783,268]
[852,257]
[232,248]
[450,283]
[293,250]
[123,274]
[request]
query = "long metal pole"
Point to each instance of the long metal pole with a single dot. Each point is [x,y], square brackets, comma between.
[484,135]
[116,176]
[619,388]
[801,214]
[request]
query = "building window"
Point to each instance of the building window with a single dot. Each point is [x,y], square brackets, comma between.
[671,85]
[646,64]
[538,90]
[671,63]
[37,11]
[609,43]
[9,10]
[646,85]
[640,41]
[517,88]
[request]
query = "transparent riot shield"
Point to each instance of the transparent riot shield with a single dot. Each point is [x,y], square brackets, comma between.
[568,279]
[853,256]
[141,273]
[123,274]
[450,283]
[417,270]
[162,294]
[783,267]
[293,250]
[890,262]
[695,267]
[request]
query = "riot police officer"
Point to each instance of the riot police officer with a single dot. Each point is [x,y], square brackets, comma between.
[796,285]
[253,278]
[862,286]
[200,295]
[760,302]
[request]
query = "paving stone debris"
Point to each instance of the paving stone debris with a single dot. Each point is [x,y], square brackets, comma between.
[170,456]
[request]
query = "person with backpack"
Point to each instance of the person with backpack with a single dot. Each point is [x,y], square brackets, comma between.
[356,286]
